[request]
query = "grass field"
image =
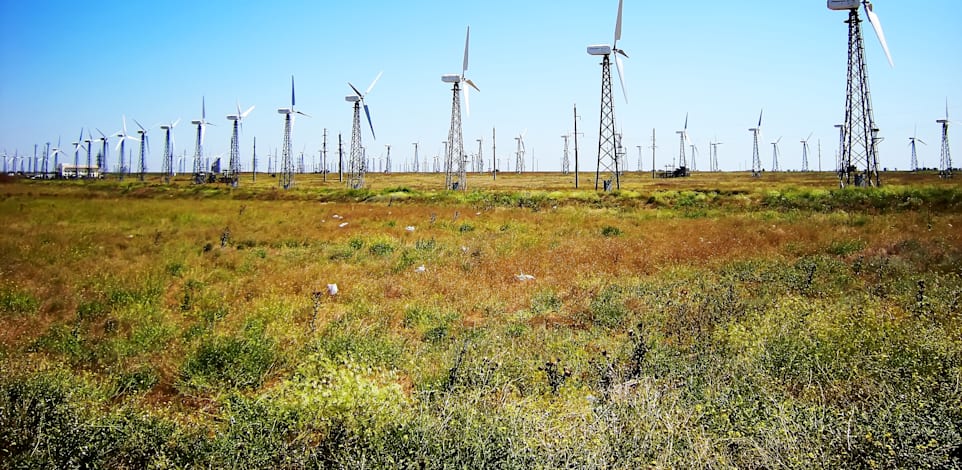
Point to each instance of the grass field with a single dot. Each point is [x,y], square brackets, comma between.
[717,321]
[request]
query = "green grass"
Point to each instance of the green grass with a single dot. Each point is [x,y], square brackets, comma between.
[716,322]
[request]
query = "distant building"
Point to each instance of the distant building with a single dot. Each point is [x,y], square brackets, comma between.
[68,171]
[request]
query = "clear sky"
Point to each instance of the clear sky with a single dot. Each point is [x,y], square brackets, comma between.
[67,65]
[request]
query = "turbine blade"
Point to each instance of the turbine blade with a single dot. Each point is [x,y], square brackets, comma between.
[303,113]
[467,40]
[621,77]
[356,91]
[874,19]
[686,122]
[809,136]
[245,113]
[292,91]
[760,118]
[367,112]
[101,133]
[373,83]
[140,125]
[469,82]
[175,123]
[203,109]
[618,24]
[467,100]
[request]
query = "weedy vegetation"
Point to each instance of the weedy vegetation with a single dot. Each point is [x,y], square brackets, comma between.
[717,321]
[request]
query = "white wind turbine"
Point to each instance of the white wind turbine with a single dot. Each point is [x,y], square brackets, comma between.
[356,165]
[200,167]
[455,143]
[608,173]
[234,164]
[287,156]
[77,145]
[124,137]
[805,149]
[168,166]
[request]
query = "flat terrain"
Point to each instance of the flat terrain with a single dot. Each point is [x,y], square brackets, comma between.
[714,321]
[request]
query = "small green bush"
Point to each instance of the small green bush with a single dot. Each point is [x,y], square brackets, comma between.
[230,362]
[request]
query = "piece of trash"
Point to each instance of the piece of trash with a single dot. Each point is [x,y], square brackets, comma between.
[332,289]
[342,224]
[524,277]
[464,249]
[337,217]
[420,269]
[409,228]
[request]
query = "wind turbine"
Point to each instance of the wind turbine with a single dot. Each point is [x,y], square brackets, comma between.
[455,147]
[168,166]
[55,154]
[287,156]
[775,166]
[356,164]
[756,157]
[144,150]
[805,151]
[200,169]
[714,155]
[102,159]
[519,163]
[77,145]
[945,163]
[234,168]
[912,141]
[124,137]
[683,140]
[607,172]
[89,142]
[859,136]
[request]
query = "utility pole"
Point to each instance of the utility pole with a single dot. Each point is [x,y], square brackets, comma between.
[653,147]
[494,154]
[576,146]
[324,156]
[340,158]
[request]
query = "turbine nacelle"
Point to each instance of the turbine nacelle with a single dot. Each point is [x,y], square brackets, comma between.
[451,78]
[285,111]
[352,98]
[844,4]
[600,49]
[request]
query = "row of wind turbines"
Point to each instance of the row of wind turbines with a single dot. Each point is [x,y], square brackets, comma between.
[857,161]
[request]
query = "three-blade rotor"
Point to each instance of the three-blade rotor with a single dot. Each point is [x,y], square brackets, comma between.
[361,96]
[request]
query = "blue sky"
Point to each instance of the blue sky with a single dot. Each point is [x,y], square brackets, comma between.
[67,65]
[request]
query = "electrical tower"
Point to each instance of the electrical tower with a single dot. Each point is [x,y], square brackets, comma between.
[479,161]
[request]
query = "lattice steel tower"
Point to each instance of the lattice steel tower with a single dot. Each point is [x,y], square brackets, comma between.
[454,158]
[233,175]
[357,164]
[859,156]
[945,162]
[287,153]
[756,156]
[168,166]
